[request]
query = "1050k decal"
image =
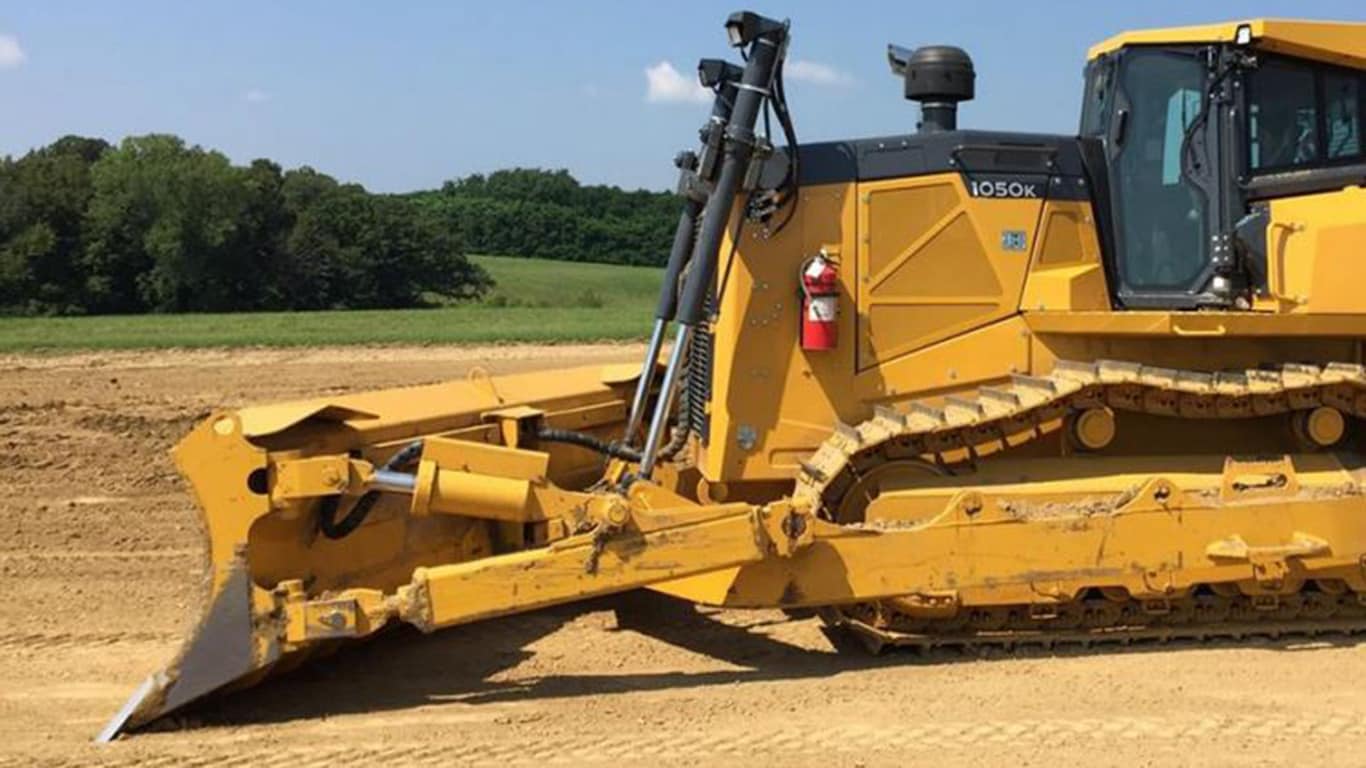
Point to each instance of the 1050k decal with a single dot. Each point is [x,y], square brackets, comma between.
[1004,188]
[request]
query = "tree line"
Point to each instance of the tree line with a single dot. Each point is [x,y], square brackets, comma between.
[155,225]
[549,215]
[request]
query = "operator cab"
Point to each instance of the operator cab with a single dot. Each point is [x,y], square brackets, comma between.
[1188,133]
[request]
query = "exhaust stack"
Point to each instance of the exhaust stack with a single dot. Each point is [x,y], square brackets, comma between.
[938,77]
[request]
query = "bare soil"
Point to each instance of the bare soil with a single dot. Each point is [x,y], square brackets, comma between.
[99,562]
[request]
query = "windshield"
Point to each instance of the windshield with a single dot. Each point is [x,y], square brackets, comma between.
[1160,217]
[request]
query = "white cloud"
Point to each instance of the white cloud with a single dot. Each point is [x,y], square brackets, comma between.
[256,96]
[665,85]
[815,73]
[11,55]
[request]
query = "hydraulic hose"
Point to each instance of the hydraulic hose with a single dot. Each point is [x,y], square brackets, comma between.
[333,528]
[678,436]
[583,440]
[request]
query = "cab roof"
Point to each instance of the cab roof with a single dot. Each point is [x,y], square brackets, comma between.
[1334,42]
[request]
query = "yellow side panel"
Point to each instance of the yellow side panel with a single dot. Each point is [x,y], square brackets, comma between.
[1066,273]
[773,403]
[902,216]
[934,262]
[1315,255]
[766,390]
[964,362]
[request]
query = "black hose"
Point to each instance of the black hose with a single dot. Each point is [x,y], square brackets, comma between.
[333,528]
[614,449]
[339,529]
[792,178]
[678,438]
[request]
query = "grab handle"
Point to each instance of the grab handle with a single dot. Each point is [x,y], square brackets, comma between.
[1218,330]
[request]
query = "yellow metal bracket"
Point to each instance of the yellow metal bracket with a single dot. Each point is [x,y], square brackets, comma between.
[485,459]
[1269,564]
[1258,479]
[515,422]
[358,612]
[788,530]
[298,479]
[927,605]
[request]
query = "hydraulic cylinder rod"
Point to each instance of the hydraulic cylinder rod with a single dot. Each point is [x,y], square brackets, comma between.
[766,40]
[664,405]
[696,174]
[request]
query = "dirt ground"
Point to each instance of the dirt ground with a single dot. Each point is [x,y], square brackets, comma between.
[98,558]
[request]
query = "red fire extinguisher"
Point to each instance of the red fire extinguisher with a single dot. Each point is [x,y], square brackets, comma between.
[820,303]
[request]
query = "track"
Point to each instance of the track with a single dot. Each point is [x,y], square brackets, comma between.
[969,429]
[1101,621]
[100,567]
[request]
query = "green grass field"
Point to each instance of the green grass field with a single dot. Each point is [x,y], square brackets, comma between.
[534,301]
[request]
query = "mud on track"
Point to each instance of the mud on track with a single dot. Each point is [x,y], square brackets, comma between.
[99,565]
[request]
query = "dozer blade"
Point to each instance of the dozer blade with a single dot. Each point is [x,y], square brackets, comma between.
[219,652]
[262,528]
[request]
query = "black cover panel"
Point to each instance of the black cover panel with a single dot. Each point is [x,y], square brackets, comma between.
[973,153]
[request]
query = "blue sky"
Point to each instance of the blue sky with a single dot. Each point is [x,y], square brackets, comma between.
[400,96]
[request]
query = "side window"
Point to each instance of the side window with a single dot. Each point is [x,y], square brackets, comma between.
[1342,113]
[1095,102]
[1282,117]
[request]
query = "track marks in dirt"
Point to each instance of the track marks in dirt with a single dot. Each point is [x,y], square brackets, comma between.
[44,523]
[795,743]
[101,555]
[103,571]
[45,641]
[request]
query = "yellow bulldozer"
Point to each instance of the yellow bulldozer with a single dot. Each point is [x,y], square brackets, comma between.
[942,388]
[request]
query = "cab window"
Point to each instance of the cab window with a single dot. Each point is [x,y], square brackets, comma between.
[1160,216]
[1302,115]
[1342,113]
[1282,117]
